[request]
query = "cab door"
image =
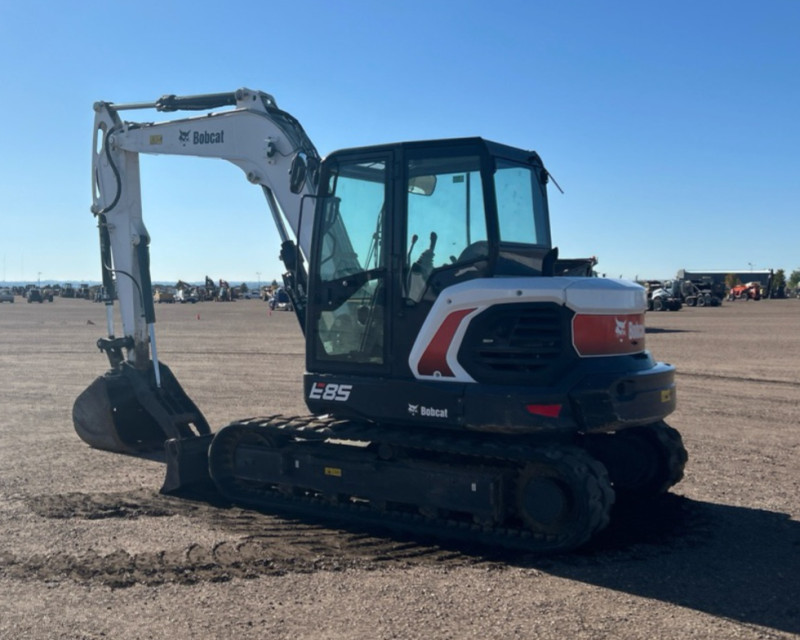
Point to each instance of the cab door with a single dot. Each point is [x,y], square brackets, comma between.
[348,316]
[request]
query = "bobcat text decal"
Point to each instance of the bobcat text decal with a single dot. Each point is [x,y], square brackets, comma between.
[201,137]
[427,412]
[628,329]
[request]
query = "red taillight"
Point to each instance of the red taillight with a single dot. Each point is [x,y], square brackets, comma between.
[595,335]
[546,410]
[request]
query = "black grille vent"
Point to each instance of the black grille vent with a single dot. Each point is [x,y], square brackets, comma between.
[517,344]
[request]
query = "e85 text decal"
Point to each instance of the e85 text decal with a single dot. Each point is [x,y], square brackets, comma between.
[330,391]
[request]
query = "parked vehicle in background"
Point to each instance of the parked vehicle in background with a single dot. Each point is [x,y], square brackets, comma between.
[659,298]
[164,295]
[280,301]
[224,292]
[185,295]
[696,293]
[6,295]
[718,283]
[748,291]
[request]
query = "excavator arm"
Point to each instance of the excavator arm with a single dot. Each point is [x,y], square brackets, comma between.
[267,144]
[138,404]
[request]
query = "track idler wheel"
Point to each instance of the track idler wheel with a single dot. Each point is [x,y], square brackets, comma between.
[228,463]
[564,497]
[643,462]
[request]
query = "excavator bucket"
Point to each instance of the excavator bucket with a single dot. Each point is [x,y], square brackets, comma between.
[125,411]
[107,415]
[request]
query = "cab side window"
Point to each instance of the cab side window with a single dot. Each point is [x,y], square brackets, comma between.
[446,222]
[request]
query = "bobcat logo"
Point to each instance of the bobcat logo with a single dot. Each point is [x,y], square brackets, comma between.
[413,409]
[183,137]
[620,329]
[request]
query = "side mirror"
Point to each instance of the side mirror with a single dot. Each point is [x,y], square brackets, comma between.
[422,185]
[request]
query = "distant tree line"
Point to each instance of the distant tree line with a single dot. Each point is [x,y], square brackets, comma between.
[794,279]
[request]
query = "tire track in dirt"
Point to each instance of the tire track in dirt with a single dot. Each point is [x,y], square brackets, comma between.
[269,545]
[266,545]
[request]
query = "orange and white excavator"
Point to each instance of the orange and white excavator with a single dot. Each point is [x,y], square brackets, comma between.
[458,383]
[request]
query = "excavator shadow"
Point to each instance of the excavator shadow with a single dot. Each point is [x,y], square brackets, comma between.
[732,562]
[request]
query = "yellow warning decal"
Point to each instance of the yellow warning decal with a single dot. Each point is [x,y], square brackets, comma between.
[333,471]
[666,395]
[156,139]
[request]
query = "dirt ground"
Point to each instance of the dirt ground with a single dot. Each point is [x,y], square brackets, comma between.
[90,549]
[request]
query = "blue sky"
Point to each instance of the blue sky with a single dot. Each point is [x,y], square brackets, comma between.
[673,127]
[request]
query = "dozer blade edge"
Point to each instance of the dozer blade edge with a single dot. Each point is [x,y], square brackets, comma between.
[187,464]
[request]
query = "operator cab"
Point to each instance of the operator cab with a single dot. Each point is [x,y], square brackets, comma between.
[397,224]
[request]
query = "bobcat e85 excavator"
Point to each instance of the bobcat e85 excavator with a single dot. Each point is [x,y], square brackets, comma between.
[458,385]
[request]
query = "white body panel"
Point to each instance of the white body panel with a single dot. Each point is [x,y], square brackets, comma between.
[591,296]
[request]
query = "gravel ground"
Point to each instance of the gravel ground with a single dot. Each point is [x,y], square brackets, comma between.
[92,550]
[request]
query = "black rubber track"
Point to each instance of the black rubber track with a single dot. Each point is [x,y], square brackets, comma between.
[580,517]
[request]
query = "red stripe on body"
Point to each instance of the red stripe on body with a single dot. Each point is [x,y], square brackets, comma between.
[435,356]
